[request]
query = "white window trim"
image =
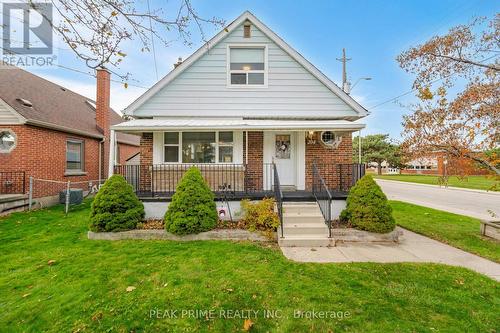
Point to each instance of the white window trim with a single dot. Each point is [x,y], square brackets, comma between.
[82,157]
[179,144]
[229,71]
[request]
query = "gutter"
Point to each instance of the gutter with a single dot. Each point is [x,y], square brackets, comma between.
[44,124]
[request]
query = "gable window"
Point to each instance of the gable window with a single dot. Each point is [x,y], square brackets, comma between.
[74,155]
[247,66]
[198,147]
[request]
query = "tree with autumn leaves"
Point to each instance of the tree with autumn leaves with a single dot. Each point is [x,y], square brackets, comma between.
[463,124]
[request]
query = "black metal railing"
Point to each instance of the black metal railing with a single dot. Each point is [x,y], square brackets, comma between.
[340,177]
[278,196]
[12,182]
[323,197]
[160,180]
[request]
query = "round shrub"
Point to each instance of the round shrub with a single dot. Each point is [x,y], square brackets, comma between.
[115,207]
[367,207]
[193,208]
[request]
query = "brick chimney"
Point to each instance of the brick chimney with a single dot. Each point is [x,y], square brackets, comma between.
[102,113]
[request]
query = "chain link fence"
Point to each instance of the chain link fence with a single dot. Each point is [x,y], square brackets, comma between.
[46,192]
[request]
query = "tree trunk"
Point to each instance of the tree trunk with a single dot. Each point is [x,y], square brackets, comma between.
[379,168]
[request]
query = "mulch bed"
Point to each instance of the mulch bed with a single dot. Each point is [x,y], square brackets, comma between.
[221,225]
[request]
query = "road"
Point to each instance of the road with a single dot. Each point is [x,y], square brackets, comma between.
[472,203]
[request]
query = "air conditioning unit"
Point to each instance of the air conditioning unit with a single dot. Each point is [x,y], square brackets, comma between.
[75,196]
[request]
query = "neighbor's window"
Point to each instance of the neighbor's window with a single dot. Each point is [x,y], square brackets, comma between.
[7,141]
[171,147]
[247,66]
[74,155]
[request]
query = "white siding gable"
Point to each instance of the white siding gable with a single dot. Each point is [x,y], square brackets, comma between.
[202,89]
[9,116]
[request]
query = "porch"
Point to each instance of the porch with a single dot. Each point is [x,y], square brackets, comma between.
[155,182]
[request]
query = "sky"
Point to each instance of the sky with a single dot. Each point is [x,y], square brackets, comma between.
[372,32]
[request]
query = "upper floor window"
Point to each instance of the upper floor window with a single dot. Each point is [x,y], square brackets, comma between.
[247,66]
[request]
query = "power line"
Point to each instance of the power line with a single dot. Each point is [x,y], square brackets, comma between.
[152,41]
[431,83]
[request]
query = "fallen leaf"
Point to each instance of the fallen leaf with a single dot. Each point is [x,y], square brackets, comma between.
[229,290]
[166,284]
[97,316]
[254,296]
[247,325]
[313,249]
[26,295]
[130,288]
[51,262]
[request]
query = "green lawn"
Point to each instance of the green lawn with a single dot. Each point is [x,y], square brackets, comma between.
[472,182]
[85,289]
[457,230]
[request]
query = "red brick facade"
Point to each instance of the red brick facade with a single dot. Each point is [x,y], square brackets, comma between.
[329,161]
[255,164]
[41,153]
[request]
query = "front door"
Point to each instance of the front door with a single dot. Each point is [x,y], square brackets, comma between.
[284,157]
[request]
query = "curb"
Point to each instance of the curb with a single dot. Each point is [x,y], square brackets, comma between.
[440,187]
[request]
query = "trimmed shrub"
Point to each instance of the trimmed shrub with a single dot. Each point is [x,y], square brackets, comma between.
[367,207]
[115,207]
[260,215]
[193,208]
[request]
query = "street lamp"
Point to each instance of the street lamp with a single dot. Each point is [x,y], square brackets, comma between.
[357,81]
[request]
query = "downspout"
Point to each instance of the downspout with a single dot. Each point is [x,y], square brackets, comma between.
[101,143]
[112,151]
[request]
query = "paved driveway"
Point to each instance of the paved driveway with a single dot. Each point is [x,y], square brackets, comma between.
[474,203]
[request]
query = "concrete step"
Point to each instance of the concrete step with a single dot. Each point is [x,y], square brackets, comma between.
[301,208]
[310,229]
[295,218]
[305,241]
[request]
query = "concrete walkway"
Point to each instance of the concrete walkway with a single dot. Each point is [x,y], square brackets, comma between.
[412,248]
[473,203]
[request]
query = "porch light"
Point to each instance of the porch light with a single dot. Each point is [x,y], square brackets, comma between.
[310,138]
[247,68]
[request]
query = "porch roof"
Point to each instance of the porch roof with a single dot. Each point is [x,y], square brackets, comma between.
[141,125]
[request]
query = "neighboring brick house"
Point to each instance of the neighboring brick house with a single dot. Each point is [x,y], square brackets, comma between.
[241,105]
[49,132]
[440,163]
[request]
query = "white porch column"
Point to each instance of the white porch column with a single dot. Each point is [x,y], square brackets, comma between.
[112,152]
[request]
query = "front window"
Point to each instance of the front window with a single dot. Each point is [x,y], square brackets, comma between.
[74,155]
[198,147]
[247,66]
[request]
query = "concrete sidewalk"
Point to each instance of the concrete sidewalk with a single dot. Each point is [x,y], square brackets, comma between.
[412,248]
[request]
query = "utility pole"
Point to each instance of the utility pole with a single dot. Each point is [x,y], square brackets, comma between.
[344,60]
